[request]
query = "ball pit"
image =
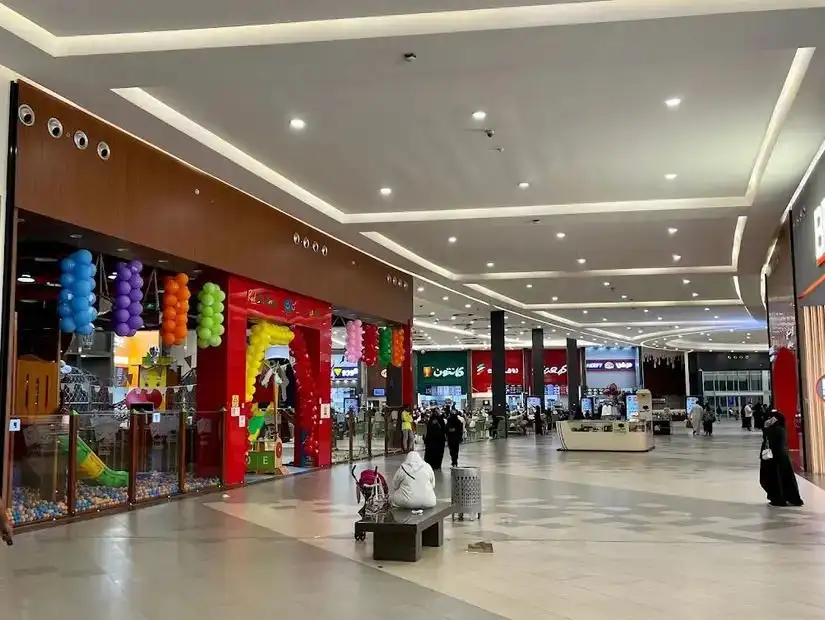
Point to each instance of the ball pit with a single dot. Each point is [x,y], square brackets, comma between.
[28,507]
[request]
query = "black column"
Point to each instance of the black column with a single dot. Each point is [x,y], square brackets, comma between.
[499,365]
[582,353]
[395,394]
[573,375]
[537,380]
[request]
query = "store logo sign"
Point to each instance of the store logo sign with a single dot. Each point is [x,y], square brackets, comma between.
[610,365]
[344,372]
[431,371]
[819,233]
[482,368]
[555,370]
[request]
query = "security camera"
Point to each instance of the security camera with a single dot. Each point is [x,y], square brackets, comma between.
[489,133]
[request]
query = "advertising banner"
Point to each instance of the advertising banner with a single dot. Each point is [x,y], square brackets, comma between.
[482,368]
[555,367]
[443,368]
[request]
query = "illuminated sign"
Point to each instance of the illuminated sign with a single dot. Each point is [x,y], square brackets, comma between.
[432,371]
[345,372]
[610,365]
[556,370]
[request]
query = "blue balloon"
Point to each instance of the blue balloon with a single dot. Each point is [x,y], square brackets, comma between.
[82,317]
[67,325]
[65,295]
[93,269]
[66,265]
[83,256]
[64,310]
[82,288]
[93,312]
[92,299]
[85,330]
[83,272]
[66,280]
[79,304]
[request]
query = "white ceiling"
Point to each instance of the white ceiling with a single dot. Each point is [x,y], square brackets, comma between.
[575,95]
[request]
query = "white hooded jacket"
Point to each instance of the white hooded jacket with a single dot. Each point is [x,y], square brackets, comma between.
[413,485]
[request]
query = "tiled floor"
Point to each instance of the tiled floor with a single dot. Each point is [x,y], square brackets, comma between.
[682,532]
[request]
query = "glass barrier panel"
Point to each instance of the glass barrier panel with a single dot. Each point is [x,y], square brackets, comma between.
[103,453]
[360,448]
[204,450]
[157,454]
[38,448]
[340,440]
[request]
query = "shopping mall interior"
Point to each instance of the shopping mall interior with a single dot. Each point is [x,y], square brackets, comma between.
[258,257]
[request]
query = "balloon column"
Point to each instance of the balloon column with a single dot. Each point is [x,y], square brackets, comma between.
[310,410]
[261,336]
[354,341]
[128,295]
[175,309]
[397,347]
[384,346]
[210,315]
[76,299]
[370,354]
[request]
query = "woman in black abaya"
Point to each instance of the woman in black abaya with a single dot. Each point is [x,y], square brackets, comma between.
[434,440]
[776,474]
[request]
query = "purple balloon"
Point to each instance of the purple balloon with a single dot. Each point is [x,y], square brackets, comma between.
[122,301]
[135,308]
[135,294]
[121,329]
[120,315]
[136,266]
[122,287]
[136,281]
[132,332]
[123,272]
[135,322]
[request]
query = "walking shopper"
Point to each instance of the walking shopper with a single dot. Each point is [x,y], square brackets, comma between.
[708,418]
[407,433]
[747,417]
[455,433]
[434,440]
[776,474]
[697,413]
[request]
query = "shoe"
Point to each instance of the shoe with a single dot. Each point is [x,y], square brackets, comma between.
[777,504]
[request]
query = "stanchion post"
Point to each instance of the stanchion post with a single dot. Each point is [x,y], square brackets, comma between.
[71,492]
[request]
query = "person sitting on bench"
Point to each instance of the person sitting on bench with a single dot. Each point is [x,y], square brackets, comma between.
[413,486]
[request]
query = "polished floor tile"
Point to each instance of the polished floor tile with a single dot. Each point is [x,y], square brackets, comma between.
[681,532]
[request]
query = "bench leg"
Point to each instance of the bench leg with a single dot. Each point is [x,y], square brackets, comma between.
[433,536]
[403,545]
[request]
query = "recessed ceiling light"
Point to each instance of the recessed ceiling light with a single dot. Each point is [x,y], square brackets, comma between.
[676,326]
[122,249]
[624,296]
[452,239]
[581,261]
[452,318]
[385,191]
[479,115]
[297,124]
[606,283]
[677,258]
[25,278]
[523,185]
[685,281]
[672,231]
[658,318]
[604,318]
[646,310]
[715,316]
[673,102]
[529,286]
[553,331]
[554,298]
[584,311]
[445,298]
[748,334]
[641,330]
[112,276]
[75,236]
[707,309]
[694,294]
[432,313]
[466,305]
[163,260]
[491,264]
[670,176]
[731,331]
[420,289]
[561,235]
[629,327]
[523,322]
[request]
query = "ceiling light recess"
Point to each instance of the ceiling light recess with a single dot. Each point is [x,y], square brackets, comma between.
[479,115]
[673,103]
[452,239]
[297,124]
[385,191]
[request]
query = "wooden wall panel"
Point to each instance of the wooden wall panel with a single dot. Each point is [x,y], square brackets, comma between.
[814,368]
[146,197]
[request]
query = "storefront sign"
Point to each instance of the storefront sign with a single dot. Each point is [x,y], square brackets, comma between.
[442,368]
[433,371]
[555,366]
[482,363]
[349,373]
[610,365]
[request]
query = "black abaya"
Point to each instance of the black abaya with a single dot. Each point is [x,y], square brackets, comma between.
[776,475]
[434,443]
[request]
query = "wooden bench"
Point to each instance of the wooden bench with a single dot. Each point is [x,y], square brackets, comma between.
[399,535]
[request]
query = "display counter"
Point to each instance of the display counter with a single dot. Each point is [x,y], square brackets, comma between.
[606,435]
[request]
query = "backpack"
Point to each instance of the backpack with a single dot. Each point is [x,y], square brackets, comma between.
[708,416]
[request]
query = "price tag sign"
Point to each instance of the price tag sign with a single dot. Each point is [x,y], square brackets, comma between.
[325,411]
[236,411]
[241,421]
[155,417]
[236,400]
[14,425]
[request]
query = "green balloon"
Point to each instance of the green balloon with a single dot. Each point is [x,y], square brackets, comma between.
[200,307]
[207,322]
[204,333]
[202,344]
[220,295]
[207,311]
[211,287]
[218,305]
[208,300]
[218,318]
[219,329]
[215,341]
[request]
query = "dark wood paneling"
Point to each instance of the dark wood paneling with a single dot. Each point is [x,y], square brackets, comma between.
[148,198]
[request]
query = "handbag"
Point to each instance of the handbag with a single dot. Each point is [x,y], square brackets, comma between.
[765,454]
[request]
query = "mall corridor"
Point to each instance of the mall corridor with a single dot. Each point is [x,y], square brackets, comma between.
[682,532]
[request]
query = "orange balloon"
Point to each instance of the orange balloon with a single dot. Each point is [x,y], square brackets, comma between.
[169,313]
[182,279]
[170,300]
[169,325]
[172,287]
[184,293]
[180,332]
[168,339]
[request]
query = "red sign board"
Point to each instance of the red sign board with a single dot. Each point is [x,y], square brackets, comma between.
[482,369]
[555,366]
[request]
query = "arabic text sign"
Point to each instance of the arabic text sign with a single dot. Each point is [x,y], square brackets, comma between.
[610,365]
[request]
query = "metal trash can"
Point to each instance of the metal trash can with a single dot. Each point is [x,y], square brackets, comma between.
[466,491]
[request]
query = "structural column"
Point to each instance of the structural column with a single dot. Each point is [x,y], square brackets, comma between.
[537,380]
[573,376]
[499,365]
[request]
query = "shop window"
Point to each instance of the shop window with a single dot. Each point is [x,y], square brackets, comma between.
[756,381]
[707,379]
[742,381]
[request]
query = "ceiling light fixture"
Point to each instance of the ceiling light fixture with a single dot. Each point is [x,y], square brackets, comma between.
[686,281]
[673,102]
[25,278]
[432,313]
[658,318]
[452,239]
[624,296]
[561,235]
[445,298]
[479,115]
[707,309]
[75,236]
[466,305]
[672,231]
[715,316]
[385,191]
[297,124]
[606,283]
[523,185]
[584,311]
[677,258]
[671,176]
[554,298]
[491,265]
[529,286]
[581,261]
[694,294]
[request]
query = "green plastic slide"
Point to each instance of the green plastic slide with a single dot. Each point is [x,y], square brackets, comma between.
[91,468]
